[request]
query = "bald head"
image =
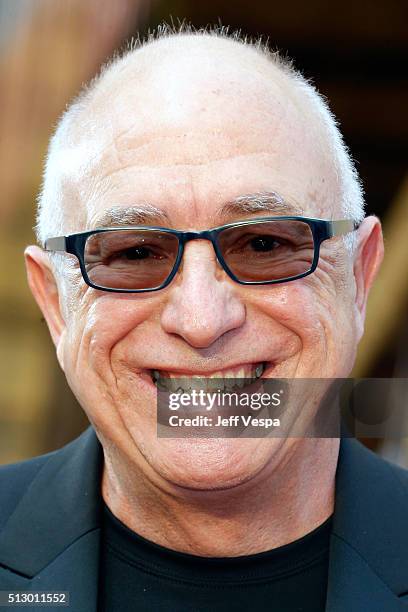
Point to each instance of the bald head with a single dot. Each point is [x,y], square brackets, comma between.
[187,101]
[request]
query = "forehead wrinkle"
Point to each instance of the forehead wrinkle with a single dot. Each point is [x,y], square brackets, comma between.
[178,159]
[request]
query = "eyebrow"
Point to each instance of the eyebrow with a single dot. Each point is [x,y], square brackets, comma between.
[260,202]
[144,214]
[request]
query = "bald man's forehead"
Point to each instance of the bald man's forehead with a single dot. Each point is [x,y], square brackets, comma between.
[188,105]
[185,69]
[189,123]
[167,89]
[202,108]
[175,92]
[180,81]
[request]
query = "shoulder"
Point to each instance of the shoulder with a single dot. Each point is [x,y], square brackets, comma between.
[363,461]
[369,488]
[370,517]
[15,479]
[399,473]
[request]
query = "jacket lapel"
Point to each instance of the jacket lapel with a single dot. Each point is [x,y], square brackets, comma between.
[51,541]
[354,586]
[368,567]
[75,571]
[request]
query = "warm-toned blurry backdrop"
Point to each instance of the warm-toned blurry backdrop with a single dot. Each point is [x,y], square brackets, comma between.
[357,55]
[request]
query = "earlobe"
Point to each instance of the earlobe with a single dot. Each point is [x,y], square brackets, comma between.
[369,255]
[44,288]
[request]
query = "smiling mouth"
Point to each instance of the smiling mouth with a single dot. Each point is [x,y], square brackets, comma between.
[221,380]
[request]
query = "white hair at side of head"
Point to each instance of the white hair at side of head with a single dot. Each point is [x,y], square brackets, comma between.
[64,159]
[351,188]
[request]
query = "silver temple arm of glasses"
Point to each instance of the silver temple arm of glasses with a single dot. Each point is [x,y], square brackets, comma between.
[55,244]
[343,226]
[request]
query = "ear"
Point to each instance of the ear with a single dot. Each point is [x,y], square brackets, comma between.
[368,257]
[44,288]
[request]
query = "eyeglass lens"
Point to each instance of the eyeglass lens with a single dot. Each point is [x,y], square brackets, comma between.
[130,259]
[267,251]
[144,259]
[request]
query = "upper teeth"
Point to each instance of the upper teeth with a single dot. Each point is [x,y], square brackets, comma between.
[223,380]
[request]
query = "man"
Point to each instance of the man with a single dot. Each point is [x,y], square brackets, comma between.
[190,132]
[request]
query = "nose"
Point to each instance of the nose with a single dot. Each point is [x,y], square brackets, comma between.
[203,304]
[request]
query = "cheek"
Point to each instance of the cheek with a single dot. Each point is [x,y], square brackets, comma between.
[296,307]
[318,316]
[96,329]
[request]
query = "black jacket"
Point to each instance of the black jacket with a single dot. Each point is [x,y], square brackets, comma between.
[50,513]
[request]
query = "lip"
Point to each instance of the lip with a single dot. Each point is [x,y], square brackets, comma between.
[146,374]
[189,372]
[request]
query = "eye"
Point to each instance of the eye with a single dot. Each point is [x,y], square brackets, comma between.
[134,253]
[264,243]
[257,243]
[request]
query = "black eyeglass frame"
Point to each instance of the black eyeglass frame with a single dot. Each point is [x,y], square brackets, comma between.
[321,230]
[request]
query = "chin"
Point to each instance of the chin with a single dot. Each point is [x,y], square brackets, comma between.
[211,464]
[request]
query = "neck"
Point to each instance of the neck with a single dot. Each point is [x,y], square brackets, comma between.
[278,507]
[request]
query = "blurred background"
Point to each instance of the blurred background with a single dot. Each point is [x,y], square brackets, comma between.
[355,52]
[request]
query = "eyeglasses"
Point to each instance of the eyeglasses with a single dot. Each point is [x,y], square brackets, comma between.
[261,251]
